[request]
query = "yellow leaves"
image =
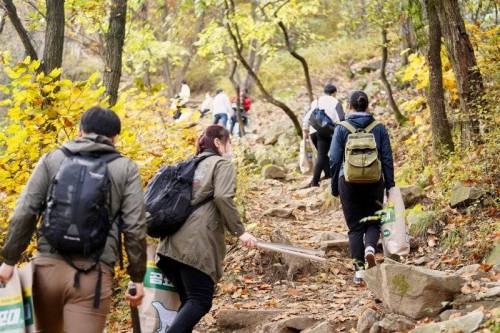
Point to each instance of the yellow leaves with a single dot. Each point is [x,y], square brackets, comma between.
[14,74]
[56,72]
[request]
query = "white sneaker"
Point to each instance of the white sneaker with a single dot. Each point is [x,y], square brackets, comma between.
[370,257]
[358,277]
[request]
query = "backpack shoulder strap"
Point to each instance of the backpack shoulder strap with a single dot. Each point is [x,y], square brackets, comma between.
[110,157]
[348,125]
[372,125]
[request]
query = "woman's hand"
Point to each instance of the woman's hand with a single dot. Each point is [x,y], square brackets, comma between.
[6,272]
[135,300]
[248,240]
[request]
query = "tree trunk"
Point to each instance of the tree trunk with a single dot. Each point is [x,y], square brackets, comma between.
[54,36]
[3,18]
[21,31]
[383,77]
[114,48]
[441,135]
[254,62]
[463,61]
[300,58]
[237,90]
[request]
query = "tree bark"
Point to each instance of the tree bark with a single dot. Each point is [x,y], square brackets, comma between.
[300,58]
[54,36]
[114,48]
[442,141]
[254,61]
[463,61]
[21,31]
[383,77]
[3,18]
[237,89]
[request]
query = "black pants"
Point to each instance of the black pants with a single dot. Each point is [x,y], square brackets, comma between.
[322,145]
[359,201]
[196,291]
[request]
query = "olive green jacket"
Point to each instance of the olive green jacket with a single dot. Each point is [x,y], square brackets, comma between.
[127,201]
[200,241]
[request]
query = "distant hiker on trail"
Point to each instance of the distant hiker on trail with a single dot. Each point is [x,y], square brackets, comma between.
[321,139]
[181,99]
[83,191]
[221,108]
[206,105]
[362,167]
[192,257]
[245,105]
[184,94]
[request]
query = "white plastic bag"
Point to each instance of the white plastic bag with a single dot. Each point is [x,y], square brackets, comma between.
[306,164]
[161,301]
[11,306]
[394,231]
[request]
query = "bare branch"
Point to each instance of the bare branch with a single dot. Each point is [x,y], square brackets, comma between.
[21,31]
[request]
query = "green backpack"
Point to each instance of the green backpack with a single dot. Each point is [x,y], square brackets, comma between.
[361,162]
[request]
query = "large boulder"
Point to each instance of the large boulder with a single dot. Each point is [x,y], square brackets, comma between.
[465,324]
[411,195]
[463,195]
[415,292]
[323,327]
[272,171]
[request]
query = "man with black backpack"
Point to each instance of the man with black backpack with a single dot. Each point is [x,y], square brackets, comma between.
[319,122]
[86,195]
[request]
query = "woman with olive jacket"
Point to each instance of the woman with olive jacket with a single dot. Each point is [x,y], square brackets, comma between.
[192,257]
[361,200]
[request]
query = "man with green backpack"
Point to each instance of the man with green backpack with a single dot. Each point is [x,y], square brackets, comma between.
[362,167]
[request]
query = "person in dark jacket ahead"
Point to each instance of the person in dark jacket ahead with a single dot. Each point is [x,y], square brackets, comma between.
[361,200]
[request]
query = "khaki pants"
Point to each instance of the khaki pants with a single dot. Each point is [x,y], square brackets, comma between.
[59,307]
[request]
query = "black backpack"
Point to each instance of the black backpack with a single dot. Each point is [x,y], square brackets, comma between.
[168,197]
[77,218]
[321,122]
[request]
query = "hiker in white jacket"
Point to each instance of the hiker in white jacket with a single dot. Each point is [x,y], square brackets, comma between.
[333,109]
[184,94]
[221,108]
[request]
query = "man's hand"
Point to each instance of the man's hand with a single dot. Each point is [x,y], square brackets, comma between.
[248,240]
[136,300]
[6,272]
[305,133]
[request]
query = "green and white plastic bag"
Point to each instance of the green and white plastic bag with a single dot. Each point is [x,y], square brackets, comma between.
[26,278]
[11,306]
[395,238]
[161,301]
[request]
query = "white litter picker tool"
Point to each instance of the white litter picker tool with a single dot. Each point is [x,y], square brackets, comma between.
[315,255]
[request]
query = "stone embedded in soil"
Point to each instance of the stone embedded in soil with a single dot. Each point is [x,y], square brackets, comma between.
[415,292]
[272,171]
[367,319]
[238,319]
[323,327]
[465,324]
[462,195]
[412,195]
[290,325]
[279,212]
[396,323]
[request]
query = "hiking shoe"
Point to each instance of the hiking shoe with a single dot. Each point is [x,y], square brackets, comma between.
[310,185]
[358,277]
[370,257]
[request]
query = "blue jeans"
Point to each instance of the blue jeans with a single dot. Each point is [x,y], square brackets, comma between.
[220,117]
